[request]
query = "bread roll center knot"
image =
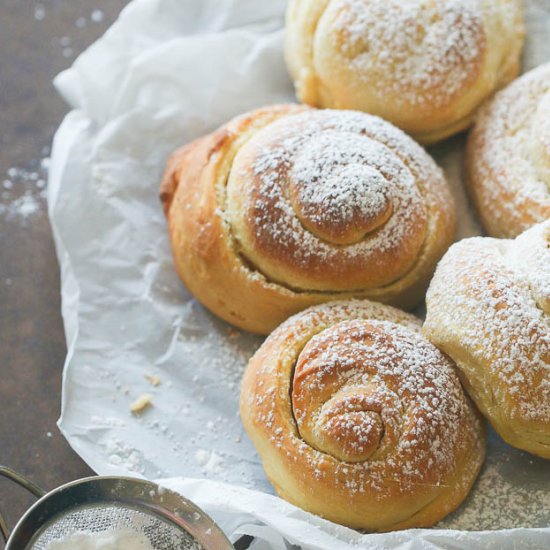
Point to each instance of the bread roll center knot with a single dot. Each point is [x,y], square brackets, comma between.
[350,426]
[344,394]
[335,192]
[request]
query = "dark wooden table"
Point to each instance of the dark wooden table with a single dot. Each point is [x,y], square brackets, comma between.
[37,40]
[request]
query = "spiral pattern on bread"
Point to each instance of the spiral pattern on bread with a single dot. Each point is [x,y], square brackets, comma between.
[287,206]
[508,156]
[423,65]
[488,307]
[359,419]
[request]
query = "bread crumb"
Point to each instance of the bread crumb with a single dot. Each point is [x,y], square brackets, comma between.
[141,403]
[153,379]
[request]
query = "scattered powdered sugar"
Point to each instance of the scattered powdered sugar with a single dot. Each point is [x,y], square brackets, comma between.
[22,207]
[39,12]
[419,52]
[210,462]
[107,421]
[23,191]
[501,500]
[227,352]
[81,22]
[97,16]
[124,456]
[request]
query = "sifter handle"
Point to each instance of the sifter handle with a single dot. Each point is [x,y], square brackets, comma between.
[23,482]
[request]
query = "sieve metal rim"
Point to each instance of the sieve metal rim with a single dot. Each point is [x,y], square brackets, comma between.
[135,493]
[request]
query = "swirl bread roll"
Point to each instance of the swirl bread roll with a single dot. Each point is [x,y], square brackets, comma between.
[359,419]
[488,307]
[424,65]
[287,206]
[508,156]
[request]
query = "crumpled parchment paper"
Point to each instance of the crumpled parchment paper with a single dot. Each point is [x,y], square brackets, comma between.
[166,72]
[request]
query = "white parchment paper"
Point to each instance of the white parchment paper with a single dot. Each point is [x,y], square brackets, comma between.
[166,72]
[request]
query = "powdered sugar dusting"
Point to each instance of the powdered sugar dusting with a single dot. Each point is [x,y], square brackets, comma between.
[434,49]
[392,376]
[120,539]
[374,404]
[322,179]
[335,184]
[22,207]
[509,155]
[508,495]
[23,192]
[495,321]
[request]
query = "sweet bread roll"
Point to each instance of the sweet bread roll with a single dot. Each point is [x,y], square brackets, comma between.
[508,156]
[423,65]
[359,419]
[287,206]
[489,309]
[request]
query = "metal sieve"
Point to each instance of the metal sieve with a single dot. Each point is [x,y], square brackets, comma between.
[102,505]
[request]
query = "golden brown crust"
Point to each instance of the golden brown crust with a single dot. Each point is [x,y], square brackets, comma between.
[425,66]
[359,419]
[287,206]
[488,307]
[508,156]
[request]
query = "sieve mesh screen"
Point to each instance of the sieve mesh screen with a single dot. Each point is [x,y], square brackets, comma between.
[108,518]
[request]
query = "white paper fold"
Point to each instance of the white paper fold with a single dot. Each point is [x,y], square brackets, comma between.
[166,72]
